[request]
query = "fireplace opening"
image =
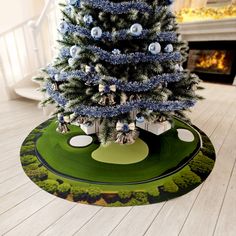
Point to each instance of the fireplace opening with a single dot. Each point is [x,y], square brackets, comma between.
[213,61]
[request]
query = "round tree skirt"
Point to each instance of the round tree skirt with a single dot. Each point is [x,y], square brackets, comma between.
[74,166]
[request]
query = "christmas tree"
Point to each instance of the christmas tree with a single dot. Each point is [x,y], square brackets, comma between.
[119,65]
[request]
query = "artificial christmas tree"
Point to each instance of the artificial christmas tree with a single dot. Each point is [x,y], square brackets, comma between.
[118,79]
[119,63]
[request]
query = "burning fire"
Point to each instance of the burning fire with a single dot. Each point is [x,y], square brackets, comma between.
[215,60]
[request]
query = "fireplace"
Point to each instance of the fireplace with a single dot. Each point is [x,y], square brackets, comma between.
[213,61]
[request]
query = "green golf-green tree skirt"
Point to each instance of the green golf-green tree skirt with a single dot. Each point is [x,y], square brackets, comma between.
[167,165]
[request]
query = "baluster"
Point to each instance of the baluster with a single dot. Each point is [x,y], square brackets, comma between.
[32,25]
[42,39]
[5,82]
[13,80]
[30,65]
[17,54]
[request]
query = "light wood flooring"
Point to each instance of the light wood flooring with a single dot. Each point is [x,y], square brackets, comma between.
[208,210]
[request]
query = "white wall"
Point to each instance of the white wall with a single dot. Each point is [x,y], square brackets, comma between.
[14,12]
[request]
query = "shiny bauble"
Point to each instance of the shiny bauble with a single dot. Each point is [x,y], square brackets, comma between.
[169,48]
[136,29]
[154,48]
[75,51]
[63,28]
[96,32]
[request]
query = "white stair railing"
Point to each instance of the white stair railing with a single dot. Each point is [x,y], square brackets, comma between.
[26,48]
[36,27]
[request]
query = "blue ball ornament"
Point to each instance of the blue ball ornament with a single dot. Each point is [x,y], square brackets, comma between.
[154,48]
[140,119]
[96,32]
[169,48]
[88,19]
[136,29]
[75,51]
[64,27]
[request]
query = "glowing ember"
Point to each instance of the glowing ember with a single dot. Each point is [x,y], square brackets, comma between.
[216,60]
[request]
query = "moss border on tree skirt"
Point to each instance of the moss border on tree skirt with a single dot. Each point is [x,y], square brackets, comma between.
[174,185]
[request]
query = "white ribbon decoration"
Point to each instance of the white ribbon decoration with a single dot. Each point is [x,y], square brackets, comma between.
[102,87]
[119,126]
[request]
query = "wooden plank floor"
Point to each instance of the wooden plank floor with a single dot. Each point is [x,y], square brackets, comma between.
[208,210]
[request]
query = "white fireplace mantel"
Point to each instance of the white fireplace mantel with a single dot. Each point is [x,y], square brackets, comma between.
[212,30]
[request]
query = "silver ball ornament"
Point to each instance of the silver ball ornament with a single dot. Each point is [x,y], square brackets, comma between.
[75,51]
[96,32]
[63,28]
[169,48]
[154,48]
[136,29]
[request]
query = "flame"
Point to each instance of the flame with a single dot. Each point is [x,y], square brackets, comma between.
[216,60]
